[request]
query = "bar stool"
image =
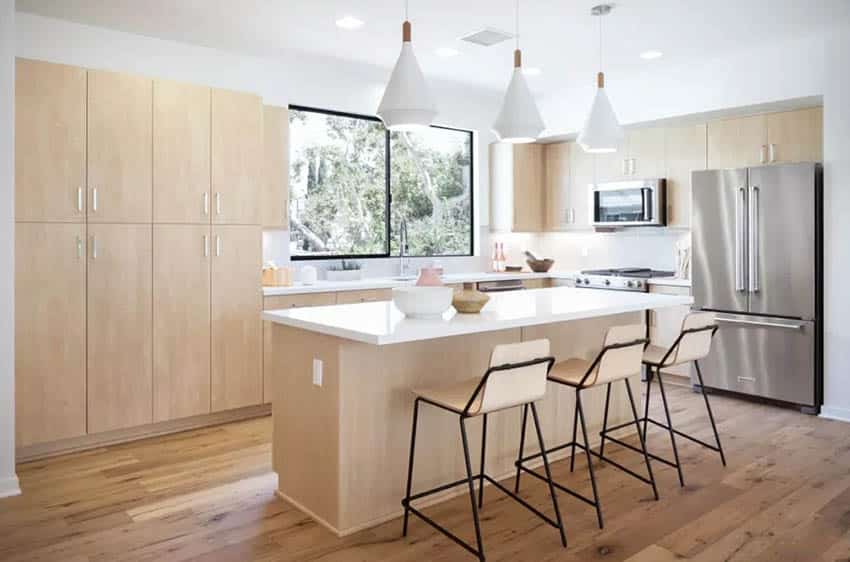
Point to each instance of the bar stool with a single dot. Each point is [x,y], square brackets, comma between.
[516,377]
[619,359]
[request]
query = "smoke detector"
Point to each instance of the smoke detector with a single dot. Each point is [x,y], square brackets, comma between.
[488,37]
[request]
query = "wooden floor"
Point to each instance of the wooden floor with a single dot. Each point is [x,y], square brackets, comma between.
[208,495]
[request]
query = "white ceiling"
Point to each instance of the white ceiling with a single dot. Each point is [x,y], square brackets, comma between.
[559,36]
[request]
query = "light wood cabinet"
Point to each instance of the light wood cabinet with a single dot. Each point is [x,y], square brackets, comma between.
[795,136]
[583,171]
[275,194]
[181,153]
[641,155]
[737,143]
[557,181]
[373,295]
[666,324]
[237,378]
[181,321]
[50,332]
[50,140]
[119,323]
[120,147]
[237,157]
[517,191]
[685,149]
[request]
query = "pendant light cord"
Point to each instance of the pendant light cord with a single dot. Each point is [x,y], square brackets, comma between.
[406,9]
[600,42]
[516,23]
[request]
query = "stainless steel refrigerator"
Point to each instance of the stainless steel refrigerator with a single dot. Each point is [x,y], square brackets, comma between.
[757,262]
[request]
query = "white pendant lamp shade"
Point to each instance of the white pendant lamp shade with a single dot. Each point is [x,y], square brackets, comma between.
[602,131]
[407,103]
[519,120]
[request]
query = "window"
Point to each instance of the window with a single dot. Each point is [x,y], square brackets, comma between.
[352,183]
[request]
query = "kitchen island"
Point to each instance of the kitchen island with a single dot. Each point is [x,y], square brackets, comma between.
[342,406]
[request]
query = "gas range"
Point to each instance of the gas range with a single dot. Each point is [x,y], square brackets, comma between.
[621,279]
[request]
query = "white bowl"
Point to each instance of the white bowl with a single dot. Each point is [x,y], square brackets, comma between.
[423,302]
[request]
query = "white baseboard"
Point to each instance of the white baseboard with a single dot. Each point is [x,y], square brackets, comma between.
[835,413]
[9,487]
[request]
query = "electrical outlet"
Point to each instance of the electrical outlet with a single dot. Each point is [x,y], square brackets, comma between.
[584,251]
[317,372]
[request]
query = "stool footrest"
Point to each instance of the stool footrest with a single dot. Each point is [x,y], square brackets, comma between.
[663,426]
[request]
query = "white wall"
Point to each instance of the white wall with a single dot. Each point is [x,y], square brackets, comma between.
[8,481]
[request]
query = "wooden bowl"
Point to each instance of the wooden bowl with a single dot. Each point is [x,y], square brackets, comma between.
[540,266]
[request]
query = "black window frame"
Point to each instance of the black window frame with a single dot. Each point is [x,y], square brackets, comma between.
[388,190]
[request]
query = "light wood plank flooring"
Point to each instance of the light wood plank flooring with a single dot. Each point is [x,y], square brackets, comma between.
[208,495]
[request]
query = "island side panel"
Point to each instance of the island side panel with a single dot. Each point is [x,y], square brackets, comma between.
[305,439]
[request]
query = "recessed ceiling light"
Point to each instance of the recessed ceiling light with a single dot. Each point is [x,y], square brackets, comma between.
[447,52]
[649,55]
[349,22]
[531,71]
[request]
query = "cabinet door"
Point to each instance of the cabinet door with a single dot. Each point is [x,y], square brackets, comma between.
[795,136]
[50,136]
[120,139]
[528,195]
[737,143]
[583,168]
[685,152]
[275,196]
[237,157]
[612,166]
[557,170]
[645,153]
[236,324]
[181,153]
[50,332]
[374,295]
[120,326]
[181,321]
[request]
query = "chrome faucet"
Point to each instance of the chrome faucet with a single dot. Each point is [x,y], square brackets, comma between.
[402,248]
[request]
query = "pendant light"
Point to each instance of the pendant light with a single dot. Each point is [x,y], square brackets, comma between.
[602,131]
[407,103]
[519,120]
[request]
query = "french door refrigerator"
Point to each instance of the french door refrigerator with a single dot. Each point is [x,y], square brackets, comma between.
[757,263]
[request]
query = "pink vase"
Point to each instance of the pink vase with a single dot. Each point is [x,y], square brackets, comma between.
[429,277]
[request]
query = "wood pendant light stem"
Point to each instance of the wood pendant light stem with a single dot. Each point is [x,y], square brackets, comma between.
[517,59]
[600,80]
[406,32]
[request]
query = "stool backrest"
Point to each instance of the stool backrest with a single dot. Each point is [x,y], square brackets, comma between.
[621,355]
[694,345]
[508,386]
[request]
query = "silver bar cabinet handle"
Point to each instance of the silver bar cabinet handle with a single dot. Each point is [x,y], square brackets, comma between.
[771,152]
[79,247]
[206,203]
[218,203]
[740,202]
[217,246]
[94,199]
[757,323]
[206,246]
[80,199]
[754,241]
[763,154]
[93,247]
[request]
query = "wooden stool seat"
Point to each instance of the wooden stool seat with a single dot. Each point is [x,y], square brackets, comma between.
[654,355]
[569,372]
[454,397]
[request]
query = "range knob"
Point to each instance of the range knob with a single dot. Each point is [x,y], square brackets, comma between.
[638,284]
[607,281]
[586,281]
[630,284]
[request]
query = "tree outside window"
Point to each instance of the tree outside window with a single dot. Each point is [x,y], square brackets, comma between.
[346,201]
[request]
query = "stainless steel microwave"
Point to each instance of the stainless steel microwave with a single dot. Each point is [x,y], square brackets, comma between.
[629,203]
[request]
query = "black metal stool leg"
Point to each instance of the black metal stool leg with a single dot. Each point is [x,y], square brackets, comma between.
[549,475]
[471,489]
[410,467]
[710,414]
[670,427]
[642,439]
[646,400]
[483,451]
[605,420]
[521,447]
[589,459]
[575,431]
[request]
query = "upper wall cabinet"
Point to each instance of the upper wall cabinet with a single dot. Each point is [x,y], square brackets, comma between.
[120,146]
[685,151]
[181,153]
[640,156]
[795,136]
[517,193]
[737,143]
[556,158]
[50,135]
[275,194]
[237,157]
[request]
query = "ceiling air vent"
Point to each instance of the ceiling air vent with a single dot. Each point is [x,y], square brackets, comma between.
[487,37]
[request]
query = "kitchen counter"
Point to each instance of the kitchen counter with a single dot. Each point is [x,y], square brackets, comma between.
[341,379]
[381,323]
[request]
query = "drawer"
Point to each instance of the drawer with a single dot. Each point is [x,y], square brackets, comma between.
[373,295]
[298,301]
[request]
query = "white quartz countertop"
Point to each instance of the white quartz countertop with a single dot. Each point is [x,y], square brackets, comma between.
[381,323]
[390,282]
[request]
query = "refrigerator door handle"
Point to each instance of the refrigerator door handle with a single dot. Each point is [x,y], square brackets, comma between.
[740,203]
[647,211]
[754,241]
[787,326]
